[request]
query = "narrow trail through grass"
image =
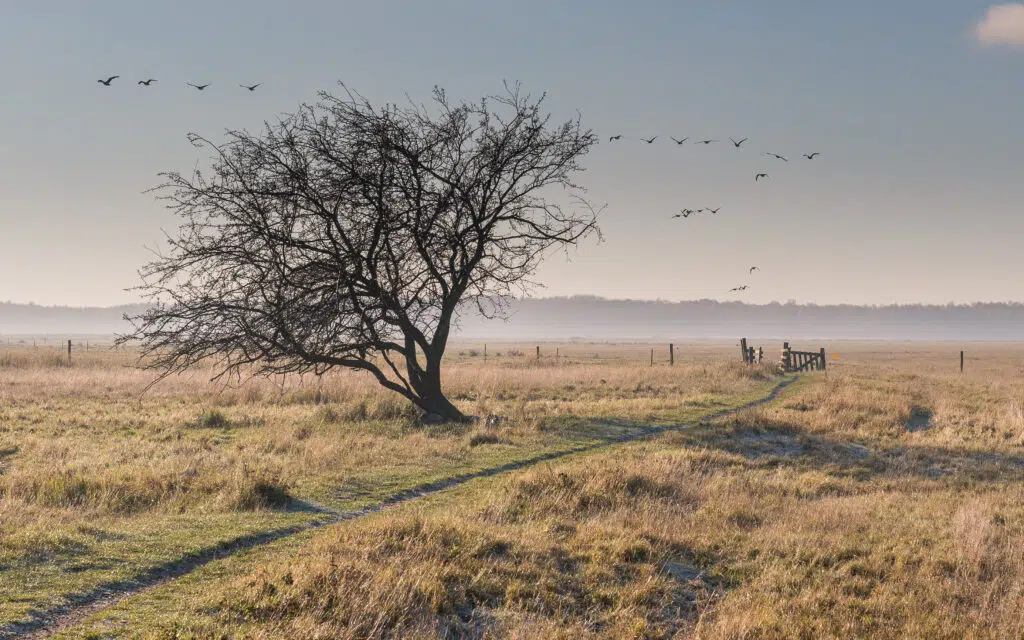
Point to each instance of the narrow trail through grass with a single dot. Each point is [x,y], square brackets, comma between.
[45,622]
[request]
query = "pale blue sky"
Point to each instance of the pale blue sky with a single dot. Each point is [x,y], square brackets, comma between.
[917,196]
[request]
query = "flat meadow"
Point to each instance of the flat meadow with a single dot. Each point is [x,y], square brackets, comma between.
[881,498]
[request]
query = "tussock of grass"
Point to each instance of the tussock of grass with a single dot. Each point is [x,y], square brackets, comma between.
[481,438]
[130,491]
[212,419]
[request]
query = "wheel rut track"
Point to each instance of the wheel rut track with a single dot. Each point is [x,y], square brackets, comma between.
[47,622]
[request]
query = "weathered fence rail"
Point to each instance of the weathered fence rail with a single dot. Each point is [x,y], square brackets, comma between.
[750,354]
[795,361]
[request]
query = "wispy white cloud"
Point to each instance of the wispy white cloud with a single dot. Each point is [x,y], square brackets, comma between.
[1002,24]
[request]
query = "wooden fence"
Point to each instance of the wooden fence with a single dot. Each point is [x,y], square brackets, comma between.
[795,361]
[751,355]
[792,361]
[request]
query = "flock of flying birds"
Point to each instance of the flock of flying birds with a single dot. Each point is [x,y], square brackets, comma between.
[149,81]
[686,213]
[683,213]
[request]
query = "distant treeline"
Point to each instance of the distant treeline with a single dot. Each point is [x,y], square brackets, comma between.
[34,319]
[594,318]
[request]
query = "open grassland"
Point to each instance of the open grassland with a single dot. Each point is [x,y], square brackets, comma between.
[102,481]
[884,499]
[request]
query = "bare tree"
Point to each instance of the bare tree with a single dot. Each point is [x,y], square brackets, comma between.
[347,235]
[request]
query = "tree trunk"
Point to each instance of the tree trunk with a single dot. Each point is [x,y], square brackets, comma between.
[433,400]
[441,406]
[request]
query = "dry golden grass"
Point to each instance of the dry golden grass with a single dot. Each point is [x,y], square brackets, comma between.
[883,500]
[98,479]
[88,437]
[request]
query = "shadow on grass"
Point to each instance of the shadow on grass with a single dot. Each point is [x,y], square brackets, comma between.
[780,444]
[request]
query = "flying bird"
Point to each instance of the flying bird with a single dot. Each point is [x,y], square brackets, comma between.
[147,82]
[106,83]
[198,86]
[743,288]
[811,156]
[618,137]
[759,176]
[649,140]
[705,141]
[684,213]
[775,155]
[250,87]
[678,141]
[737,144]
[713,211]
[753,269]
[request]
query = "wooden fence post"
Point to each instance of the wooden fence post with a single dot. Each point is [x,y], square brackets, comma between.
[786,364]
[743,348]
[69,352]
[671,355]
[823,358]
[760,355]
[652,357]
[556,354]
[538,352]
[961,361]
[485,352]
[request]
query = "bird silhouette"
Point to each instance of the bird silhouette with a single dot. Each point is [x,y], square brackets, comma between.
[759,176]
[810,156]
[649,140]
[743,288]
[713,211]
[705,141]
[737,144]
[147,82]
[753,269]
[775,155]
[678,141]
[618,137]
[106,83]
[685,213]
[250,87]
[198,86]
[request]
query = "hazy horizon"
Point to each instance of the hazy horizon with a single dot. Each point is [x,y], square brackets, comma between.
[588,296]
[593,318]
[915,198]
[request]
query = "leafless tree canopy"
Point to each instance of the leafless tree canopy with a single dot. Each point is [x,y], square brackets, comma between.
[347,235]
